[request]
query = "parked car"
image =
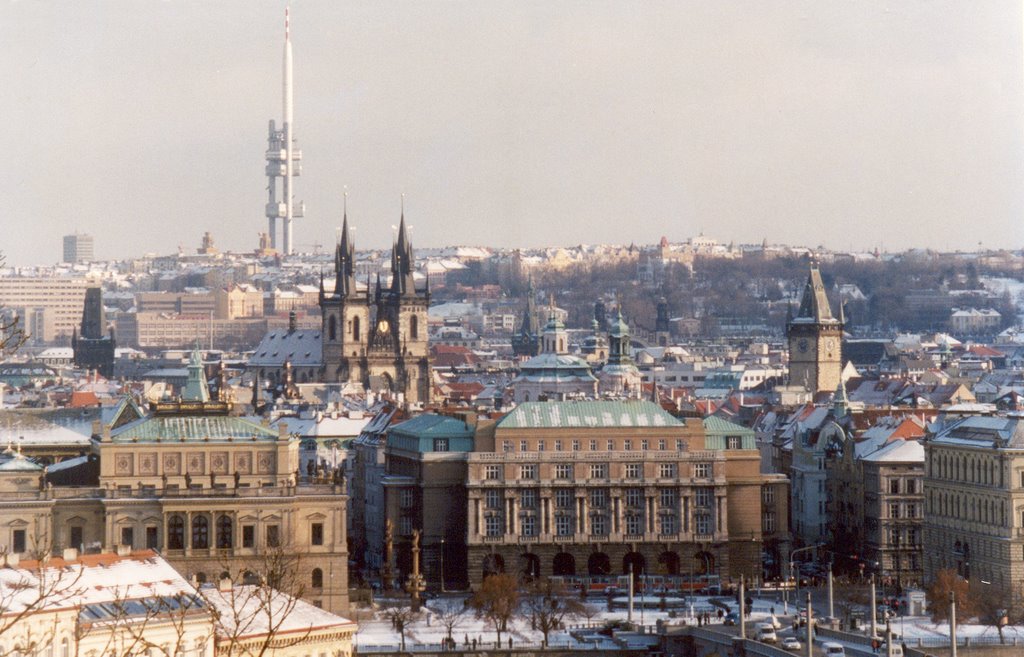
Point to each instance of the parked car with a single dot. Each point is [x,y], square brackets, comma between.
[791,643]
[830,649]
[731,618]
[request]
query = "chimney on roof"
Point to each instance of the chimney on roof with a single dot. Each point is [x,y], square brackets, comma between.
[124,550]
[225,585]
[12,559]
[292,322]
[70,554]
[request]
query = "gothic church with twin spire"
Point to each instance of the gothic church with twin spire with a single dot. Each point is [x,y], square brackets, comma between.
[373,335]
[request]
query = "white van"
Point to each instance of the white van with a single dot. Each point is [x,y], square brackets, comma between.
[766,633]
[830,649]
[897,650]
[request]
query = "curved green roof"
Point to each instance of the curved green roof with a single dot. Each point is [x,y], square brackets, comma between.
[573,414]
[192,428]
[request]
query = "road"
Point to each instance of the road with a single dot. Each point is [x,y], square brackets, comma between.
[787,630]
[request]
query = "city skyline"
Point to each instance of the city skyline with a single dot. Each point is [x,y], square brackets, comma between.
[560,125]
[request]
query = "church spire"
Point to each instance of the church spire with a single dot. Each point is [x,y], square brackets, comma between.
[402,281]
[814,305]
[344,261]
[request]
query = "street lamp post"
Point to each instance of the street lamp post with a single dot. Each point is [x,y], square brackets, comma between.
[791,561]
[442,565]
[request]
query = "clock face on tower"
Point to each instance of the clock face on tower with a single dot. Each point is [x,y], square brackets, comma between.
[830,346]
[382,326]
[802,345]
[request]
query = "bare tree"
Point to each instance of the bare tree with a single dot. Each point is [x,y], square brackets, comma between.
[548,604]
[992,606]
[155,623]
[850,598]
[12,333]
[253,605]
[29,587]
[450,613]
[401,614]
[496,601]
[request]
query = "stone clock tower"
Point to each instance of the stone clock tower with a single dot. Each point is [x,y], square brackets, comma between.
[815,339]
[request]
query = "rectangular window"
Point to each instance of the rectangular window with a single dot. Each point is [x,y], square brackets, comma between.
[506,446]
[703,523]
[611,445]
[667,470]
[406,498]
[911,486]
[702,470]
[528,471]
[668,524]
[558,445]
[563,524]
[528,498]
[680,446]
[627,445]
[667,498]
[575,445]
[634,498]
[18,543]
[894,510]
[273,536]
[492,499]
[563,471]
[593,448]
[540,446]
[768,522]
[661,444]
[894,486]
[523,446]
[151,538]
[492,525]
[634,524]
[128,536]
[563,498]
[598,525]
[704,496]
[634,470]
[440,444]
[732,442]
[528,525]
[767,495]
[405,525]
[316,533]
[598,498]
[599,471]
[644,445]
[492,472]
[248,536]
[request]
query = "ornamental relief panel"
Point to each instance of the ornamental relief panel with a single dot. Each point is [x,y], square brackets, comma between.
[243,463]
[219,462]
[195,462]
[172,463]
[265,462]
[123,464]
[147,463]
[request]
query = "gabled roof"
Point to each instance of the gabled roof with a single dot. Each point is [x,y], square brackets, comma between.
[303,348]
[574,414]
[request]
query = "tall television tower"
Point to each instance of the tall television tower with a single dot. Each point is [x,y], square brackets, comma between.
[283,161]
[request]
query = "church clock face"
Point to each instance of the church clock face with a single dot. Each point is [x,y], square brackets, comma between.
[802,345]
[830,346]
[382,326]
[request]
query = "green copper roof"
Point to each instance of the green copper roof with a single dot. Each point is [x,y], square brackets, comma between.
[716,425]
[192,428]
[195,389]
[631,413]
[429,424]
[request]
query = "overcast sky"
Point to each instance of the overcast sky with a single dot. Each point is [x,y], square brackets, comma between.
[850,124]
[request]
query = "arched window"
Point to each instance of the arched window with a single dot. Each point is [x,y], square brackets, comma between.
[414,327]
[355,328]
[176,533]
[318,578]
[200,533]
[224,535]
[332,329]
